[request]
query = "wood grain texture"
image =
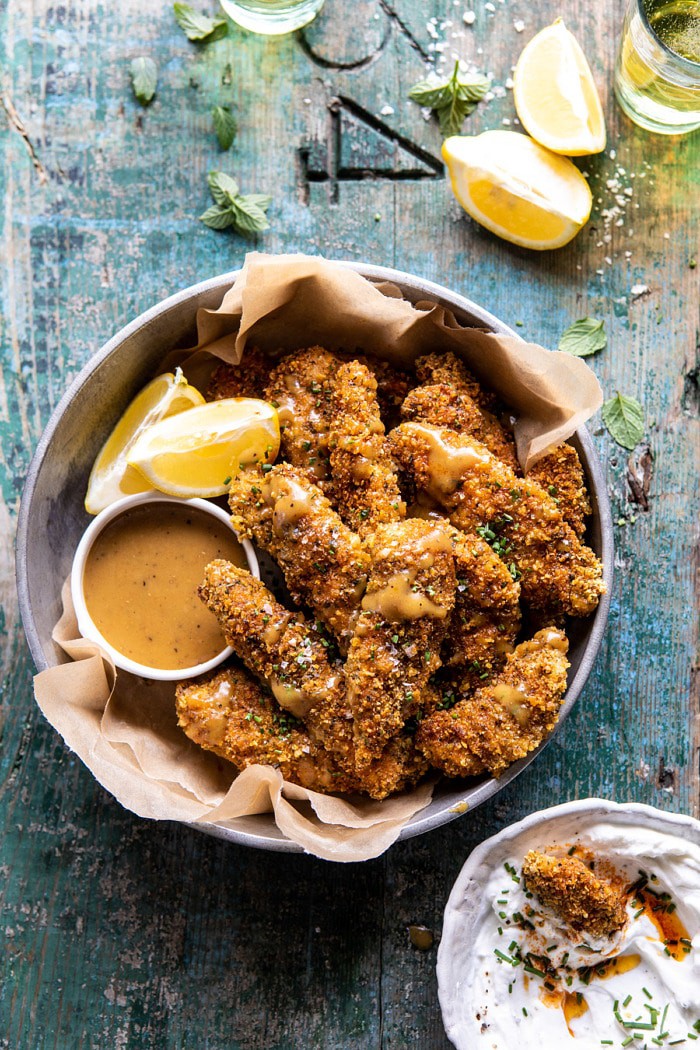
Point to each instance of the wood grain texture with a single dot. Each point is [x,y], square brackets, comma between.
[122,933]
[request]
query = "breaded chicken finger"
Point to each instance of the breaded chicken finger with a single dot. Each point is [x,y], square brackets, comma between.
[507,718]
[486,616]
[584,901]
[284,651]
[323,562]
[230,714]
[399,632]
[364,482]
[521,521]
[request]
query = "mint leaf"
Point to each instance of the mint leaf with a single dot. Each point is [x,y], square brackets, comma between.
[245,212]
[452,99]
[217,218]
[430,93]
[223,188]
[144,77]
[624,419]
[197,26]
[584,337]
[250,211]
[451,117]
[224,126]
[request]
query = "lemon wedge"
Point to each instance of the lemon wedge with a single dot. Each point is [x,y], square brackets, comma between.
[198,452]
[111,477]
[555,95]
[517,189]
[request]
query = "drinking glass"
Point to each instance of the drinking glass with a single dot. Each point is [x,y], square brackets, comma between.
[657,75]
[272,17]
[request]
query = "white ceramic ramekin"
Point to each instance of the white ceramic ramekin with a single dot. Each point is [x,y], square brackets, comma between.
[467,903]
[86,625]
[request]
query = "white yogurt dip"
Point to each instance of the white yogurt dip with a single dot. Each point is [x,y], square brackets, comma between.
[529,980]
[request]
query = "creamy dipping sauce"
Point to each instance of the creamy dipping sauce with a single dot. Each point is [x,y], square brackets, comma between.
[534,982]
[141,578]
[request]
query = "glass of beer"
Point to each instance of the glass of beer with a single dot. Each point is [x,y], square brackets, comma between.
[657,75]
[272,17]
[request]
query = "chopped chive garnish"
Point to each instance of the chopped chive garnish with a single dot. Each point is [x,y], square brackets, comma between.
[505,958]
[627,1001]
[647,992]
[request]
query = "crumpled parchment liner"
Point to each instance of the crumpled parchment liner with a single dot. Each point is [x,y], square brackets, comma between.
[124,728]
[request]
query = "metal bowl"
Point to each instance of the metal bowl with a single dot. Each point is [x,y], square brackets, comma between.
[52,517]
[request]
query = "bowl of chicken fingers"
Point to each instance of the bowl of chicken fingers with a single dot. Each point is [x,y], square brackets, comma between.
[426,609]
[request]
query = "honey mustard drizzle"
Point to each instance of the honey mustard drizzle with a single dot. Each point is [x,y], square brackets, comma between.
[400,598]
[447,465]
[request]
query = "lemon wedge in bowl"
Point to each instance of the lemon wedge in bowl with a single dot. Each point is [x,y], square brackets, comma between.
[111,477]
[198,452]
[517,189]
[555,95]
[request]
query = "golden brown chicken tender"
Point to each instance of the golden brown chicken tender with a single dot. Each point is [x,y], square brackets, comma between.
[299,386]
[560,474]
[486,617]
[231,714]
[505,719]
[364,482]
[397,639]
[519,519]
[284,651]
[323,562]
[453,407]
[587,903]
[248,379]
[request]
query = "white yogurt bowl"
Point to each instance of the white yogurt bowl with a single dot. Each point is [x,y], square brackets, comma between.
[516,1010]
[86,624]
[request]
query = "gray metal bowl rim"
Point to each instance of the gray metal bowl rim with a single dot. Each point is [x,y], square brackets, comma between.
[423,290]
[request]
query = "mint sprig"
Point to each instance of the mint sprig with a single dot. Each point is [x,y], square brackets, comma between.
[144,78]
[624,419]
[199,27]
[224,125]
[244,212]
[451,99]
[584,337]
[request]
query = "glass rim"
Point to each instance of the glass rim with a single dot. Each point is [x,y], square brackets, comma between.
[694,66]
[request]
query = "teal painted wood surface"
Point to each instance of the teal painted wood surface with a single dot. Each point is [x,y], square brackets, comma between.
[121,933]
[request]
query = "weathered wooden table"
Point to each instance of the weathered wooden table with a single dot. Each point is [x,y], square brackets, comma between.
[122,933]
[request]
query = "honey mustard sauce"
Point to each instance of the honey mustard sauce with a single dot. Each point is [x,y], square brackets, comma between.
[141,578]
[447,465]
[400,598]
[515,700]
[550,638]
[289,500]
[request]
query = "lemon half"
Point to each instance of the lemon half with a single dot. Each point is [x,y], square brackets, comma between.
[111,477]
[198,452]
[555,94]
[517,189]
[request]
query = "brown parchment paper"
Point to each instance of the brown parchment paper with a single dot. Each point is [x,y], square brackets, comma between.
[124,728]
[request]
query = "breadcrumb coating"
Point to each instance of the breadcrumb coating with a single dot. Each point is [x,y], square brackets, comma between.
[364,482]
[284,651]
[454,407]
[450,370]
[300,387]
[231,714]
[397,640]
[504,720]
[248,379]
[560,474]
[520,520]
[566,886]
[486,618]
[323,562]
